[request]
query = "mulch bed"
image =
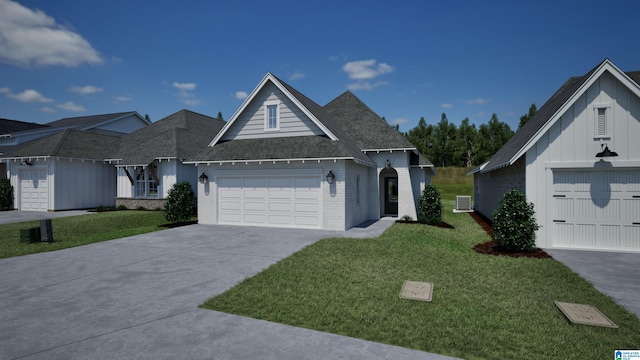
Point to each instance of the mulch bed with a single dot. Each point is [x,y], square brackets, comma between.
[491,248]
[443,224]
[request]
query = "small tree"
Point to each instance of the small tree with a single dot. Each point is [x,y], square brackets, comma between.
[181,203]
[6,195]
[429,206]
[514,223]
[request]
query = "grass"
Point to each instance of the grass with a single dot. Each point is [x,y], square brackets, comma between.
[80,230]
[452,181]
[484,307]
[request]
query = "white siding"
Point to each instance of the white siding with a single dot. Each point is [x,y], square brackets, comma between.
[251,124]
[356,213]
[81,184]
[407,203]
[125,188]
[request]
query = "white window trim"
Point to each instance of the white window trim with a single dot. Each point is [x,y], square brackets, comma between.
[608,121]
[275,103]
[146,181]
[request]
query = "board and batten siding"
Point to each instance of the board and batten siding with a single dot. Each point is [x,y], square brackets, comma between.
[571,143]
[251,122]
[82,184]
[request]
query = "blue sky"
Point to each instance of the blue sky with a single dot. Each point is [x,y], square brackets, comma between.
[405,59]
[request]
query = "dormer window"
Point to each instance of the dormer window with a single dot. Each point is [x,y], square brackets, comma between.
[271,115]
[603,122]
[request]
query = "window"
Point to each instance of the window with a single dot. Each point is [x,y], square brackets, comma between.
[602,127]
[358,189]
[146,185]
[271,115]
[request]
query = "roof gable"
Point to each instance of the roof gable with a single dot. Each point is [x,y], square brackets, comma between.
[553,110]
[305,105]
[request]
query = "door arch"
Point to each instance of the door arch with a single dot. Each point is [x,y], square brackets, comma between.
[389,191]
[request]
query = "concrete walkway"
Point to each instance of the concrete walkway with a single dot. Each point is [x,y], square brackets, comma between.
[138,298]
[7,217]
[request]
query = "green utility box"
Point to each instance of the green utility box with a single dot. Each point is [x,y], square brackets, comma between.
[30,235]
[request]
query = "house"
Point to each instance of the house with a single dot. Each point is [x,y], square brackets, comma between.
[6,128]
[60,166]
[578,161]
[284,161]
[151,160]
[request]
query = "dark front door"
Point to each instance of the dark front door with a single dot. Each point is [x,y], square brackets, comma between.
[391,196]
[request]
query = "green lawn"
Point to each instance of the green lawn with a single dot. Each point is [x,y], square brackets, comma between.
[484,307]
[80,230]
[452,181]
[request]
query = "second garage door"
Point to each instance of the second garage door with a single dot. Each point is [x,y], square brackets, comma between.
[596,210]
[33,190]
[270,201]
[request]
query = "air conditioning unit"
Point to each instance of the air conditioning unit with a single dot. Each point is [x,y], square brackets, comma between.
[463,204]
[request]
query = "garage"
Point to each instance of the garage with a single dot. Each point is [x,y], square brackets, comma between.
[33,190]
[270,201]
[596,209]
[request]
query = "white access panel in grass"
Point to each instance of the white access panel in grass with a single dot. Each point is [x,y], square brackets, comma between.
[596,210]
[270,201]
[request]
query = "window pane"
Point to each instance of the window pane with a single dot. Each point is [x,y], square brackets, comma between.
[272,116]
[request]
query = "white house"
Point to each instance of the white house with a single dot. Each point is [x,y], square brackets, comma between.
[284,161]
[151,160]
[578,161]
[61,166]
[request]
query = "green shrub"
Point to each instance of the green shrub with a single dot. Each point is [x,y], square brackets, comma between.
[430,206]
[6,195]
[514,223]
[181,203]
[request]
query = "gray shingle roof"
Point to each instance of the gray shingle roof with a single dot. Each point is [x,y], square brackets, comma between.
[69,144]
[84,122]
[181,135]
[346,117]
[10,126]
[542,116]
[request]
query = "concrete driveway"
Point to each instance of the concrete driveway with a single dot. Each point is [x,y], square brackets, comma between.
[7,217]
[138,298]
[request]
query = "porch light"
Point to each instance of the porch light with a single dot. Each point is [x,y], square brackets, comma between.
[26,162]
[606,152]
[387,164]
[203,178]
[331,178]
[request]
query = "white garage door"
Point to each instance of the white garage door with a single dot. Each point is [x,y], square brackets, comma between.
[270,201]
[33,190]
[597,210]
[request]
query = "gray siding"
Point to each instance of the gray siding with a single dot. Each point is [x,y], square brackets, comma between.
[250,124]
[491,186]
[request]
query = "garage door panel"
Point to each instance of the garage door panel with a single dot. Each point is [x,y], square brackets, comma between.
[33,190]
[272,201]
[594,209]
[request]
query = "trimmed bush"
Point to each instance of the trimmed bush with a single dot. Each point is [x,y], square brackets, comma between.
[181,203]
[6,195]
[514,223]
[429,206]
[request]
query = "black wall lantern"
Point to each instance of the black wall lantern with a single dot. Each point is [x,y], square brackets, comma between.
[26,162]
[203,178]
[606,152]
[387,164]
[331,178]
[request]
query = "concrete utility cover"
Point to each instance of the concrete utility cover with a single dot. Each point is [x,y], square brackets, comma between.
[584,314]
[416,290]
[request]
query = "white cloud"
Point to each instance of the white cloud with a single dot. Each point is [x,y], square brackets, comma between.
[399,121]
[123,98]
[241,95]
[32,38]
[48,109]
[366,69]
[185,86]
[71,106]
[29,96]
[191,102]
[478,101]
[5,90]
[446,106]
[296,76]
[84,90]
[365,85]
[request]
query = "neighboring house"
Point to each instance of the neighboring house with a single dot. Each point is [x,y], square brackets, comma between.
[284,161]
[151,160]
[60,165]
[583,200]
[7,127]
[63,171]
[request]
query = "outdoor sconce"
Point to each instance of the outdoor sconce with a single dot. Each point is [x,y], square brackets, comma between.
[606,152]
[203,178]
[387,164]
[331,178]
[26,162]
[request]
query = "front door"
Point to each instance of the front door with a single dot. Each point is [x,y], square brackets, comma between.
[391,196]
